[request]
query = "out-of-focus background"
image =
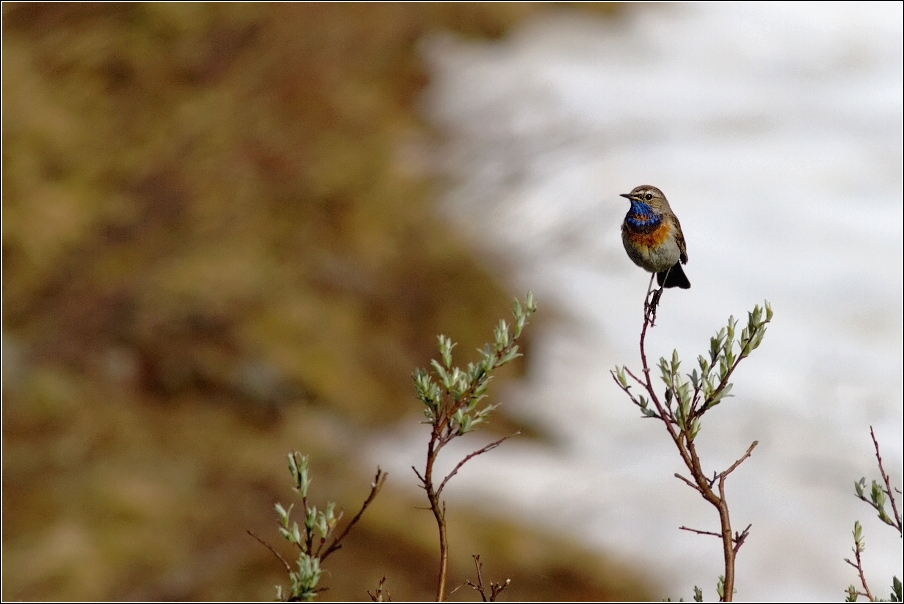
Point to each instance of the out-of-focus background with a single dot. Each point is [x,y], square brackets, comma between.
[230,231]
[220,244]
[775,130]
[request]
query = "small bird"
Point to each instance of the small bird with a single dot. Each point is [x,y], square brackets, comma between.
[653,238]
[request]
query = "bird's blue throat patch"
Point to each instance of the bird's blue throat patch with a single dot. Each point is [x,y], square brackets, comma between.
[642,218]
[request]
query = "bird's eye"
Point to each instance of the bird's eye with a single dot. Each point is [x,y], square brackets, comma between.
[648,196]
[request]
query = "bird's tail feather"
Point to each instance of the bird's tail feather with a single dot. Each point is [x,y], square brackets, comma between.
[674,277]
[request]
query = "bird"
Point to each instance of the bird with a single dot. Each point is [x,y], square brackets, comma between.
[652,237]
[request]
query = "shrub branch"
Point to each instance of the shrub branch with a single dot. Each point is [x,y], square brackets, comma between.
[452,404]
[684,402]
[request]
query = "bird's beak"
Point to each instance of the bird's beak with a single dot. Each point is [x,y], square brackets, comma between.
[625,195]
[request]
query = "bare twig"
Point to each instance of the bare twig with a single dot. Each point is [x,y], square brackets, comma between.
[379,595]
[636,379]
[688,482]
[375,486]
[495,588]
[270,547]
[699,532]
[469,457]
[741,537]
[731,469]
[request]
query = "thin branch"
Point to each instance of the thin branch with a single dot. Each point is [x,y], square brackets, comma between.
[375,486]
[457,587]
[885,479]
[711,489]
[688,482]
[309,535]
[479,586]
[741,537]
[739,461]
[699,532]
[859,566]
[378,596]
[458,466]
[270,547]
[495,588]
[439,512]
[636,379]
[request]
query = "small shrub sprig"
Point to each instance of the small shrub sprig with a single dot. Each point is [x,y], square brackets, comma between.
[452,399]
[312,538]
[681,409]
[879,495]
[479,587]
[379,595]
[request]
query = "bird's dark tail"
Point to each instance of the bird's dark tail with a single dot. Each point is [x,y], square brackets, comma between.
[674,277]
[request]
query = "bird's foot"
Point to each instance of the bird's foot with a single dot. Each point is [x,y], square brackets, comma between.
[650,305]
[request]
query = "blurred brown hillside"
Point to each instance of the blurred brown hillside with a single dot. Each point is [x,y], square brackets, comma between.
[218,248]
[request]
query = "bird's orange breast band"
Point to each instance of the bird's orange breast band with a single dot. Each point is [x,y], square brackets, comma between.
[654,238]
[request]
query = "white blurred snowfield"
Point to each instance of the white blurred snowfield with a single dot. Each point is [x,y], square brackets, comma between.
[775,131]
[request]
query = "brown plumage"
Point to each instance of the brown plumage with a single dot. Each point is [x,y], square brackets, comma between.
[652,236]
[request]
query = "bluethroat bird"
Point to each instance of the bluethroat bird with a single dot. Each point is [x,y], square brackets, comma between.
[653,238]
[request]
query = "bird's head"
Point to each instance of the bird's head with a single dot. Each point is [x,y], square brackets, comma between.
[647,196]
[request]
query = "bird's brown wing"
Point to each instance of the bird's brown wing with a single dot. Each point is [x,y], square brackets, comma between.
[679,238]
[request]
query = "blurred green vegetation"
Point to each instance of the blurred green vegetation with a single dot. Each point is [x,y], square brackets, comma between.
[216,249]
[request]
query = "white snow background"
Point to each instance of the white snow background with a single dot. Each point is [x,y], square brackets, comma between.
[775,131]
